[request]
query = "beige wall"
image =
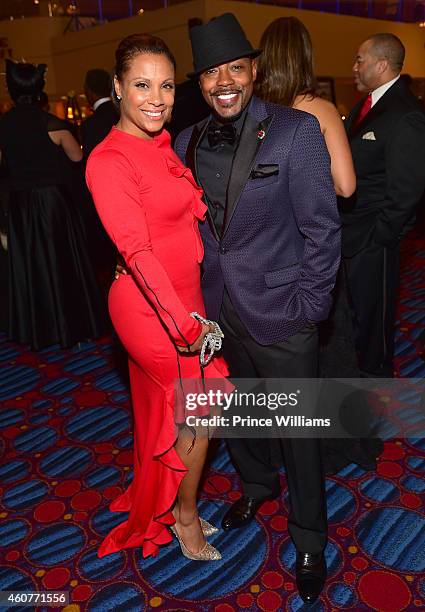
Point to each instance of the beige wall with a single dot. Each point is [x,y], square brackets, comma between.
[76,52]
[335,38]
[31,39]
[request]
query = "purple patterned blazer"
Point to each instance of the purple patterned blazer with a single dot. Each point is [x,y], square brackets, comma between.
[280,247]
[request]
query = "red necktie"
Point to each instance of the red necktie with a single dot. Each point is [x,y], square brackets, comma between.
[364,109]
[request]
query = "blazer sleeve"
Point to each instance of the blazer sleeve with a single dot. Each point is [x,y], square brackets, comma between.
[113,183]
[180,144]
[405,178]
[314,204]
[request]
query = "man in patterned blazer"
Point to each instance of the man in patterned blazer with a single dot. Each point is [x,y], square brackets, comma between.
[272,250]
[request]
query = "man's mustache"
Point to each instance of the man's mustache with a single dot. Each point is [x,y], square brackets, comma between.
[226,92]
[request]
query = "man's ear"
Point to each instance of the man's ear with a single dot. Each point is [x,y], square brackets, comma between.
[204,95]
[254,69]
[383,66]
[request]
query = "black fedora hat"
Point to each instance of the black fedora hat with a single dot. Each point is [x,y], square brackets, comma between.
[218,42]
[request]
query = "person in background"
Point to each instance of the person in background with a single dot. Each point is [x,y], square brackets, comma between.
[285,76]
[386,131]
[97,87]
[44,102]
[189,106]
[4,205]
[53,296]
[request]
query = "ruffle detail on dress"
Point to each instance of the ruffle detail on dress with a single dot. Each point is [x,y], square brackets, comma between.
[197,206]
[177,169]
[199,209]
[169,471]
[213,378]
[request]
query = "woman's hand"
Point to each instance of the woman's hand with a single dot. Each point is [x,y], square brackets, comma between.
[196,346]
[206,329]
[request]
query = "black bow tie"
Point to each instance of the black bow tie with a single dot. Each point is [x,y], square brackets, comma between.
[221,133]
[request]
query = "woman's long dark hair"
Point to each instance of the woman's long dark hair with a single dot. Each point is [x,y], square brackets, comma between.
[285,67]
[25,82]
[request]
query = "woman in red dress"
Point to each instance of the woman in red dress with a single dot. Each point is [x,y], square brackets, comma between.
[150,206]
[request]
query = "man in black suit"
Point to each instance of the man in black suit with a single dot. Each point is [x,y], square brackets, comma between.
[387,137]
[97,87]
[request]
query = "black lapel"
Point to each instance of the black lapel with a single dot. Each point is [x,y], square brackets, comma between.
[249,144]
[352,117]
[377,109]
[191,162]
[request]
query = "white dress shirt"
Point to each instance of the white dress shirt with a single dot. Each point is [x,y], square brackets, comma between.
[379,91]
[99,102]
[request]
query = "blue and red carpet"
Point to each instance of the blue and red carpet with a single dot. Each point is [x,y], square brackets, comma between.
[65,447]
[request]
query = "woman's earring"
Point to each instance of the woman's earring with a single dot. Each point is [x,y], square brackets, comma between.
[119,98]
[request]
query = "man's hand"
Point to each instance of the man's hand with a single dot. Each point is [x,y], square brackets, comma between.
[119,269]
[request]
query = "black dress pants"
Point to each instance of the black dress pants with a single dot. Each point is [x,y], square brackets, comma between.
[372,280]
[256,458]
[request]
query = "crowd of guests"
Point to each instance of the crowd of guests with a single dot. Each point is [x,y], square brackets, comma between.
[53,293]
[250,192]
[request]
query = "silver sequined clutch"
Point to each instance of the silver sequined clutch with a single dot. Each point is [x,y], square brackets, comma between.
[212,341]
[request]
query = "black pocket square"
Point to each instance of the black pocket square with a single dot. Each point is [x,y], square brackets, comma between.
[264,170]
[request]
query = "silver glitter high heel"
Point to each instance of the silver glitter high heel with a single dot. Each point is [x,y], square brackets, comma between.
[207,553]
[207,528]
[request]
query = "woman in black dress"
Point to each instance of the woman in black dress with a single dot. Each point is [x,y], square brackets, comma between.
[53,296]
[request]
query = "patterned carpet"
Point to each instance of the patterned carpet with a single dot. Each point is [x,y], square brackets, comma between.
[65,447]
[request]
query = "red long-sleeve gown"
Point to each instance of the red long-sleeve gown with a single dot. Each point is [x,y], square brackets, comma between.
[150,206]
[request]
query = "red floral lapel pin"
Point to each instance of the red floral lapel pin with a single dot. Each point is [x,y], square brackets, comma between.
[261,134]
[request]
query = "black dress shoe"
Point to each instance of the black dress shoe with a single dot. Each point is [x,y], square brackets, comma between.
[243,511]
[310,575]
